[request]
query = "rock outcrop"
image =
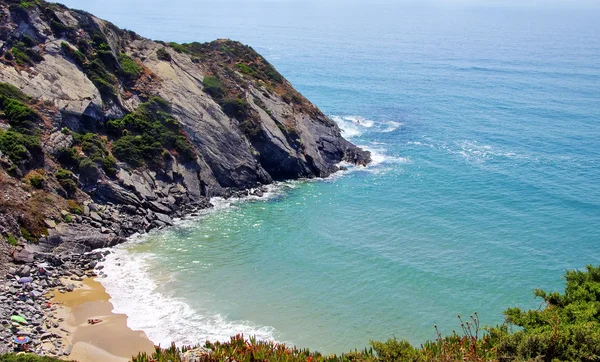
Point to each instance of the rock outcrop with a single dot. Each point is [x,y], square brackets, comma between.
[98,92]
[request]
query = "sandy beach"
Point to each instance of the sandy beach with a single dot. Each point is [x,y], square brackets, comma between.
[107,341]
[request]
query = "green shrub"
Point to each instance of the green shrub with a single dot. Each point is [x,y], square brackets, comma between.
[143,135]
[236,108]
[17,146]
[67,180]
[252,350]
[129,68]
[68,157]
[135,149]
[12,241]
[28,41]
[213,86]
[162,54]
[20,142]
[244,68]
[20,116]
[24,55]
[58,27]
[566,329]
[26,4]
[37,181]
[250,127]
[272,73]
[178,47]
[94,148]
[394,350]
[109,165]
[68,218]
[28,236]
[105,54]
[77,56]
[105,88]
[9,91]
[86,164]
[102,78]
[74,207]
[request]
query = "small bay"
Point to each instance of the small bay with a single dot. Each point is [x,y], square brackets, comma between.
[483,123]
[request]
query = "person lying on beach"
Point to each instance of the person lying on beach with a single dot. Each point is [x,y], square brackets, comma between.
[94,321]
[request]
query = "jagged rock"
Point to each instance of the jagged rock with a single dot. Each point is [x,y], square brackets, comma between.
[56,141]
[94,216]
[22,256]
[158,207]
[25,271]
[130,209]
[288,139]
[164,219]
[138,183]
[80,237]
[111,192]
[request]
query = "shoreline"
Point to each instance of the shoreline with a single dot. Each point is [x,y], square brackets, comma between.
[110,340]
[46,302]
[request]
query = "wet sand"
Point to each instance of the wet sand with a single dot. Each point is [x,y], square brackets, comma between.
[110,340]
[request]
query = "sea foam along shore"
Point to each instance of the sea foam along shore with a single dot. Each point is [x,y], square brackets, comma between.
[164,317]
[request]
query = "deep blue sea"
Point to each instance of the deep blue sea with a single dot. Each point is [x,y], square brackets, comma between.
[484,123]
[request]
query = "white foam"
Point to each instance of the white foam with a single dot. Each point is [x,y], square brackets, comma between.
[164,318]
[391,126]
[379,157]
[475,152]
[354,126]
[349,128]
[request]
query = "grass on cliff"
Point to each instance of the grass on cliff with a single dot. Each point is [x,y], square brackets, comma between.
[21,142]
[144,136]
[567,328]
[88,153]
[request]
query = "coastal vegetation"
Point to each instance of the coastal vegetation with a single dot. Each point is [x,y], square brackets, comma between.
[146,134]
[21,142]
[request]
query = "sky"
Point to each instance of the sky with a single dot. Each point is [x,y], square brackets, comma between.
[476,3]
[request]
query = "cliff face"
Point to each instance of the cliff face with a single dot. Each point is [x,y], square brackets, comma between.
[112,133]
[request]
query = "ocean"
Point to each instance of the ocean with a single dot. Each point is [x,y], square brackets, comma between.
[483,122]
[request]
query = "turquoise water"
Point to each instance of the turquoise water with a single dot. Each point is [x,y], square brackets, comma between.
[486,185]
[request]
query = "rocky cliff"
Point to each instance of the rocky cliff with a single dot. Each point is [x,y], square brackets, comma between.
[104,133]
